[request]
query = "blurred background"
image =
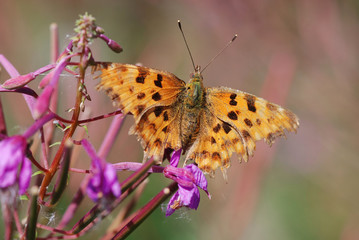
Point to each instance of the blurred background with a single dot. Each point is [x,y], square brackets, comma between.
[301,54]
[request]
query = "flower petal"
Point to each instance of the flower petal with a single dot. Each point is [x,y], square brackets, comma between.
[43,101]
[103,183]
[175,157]
[112,183]
[171,207]
[25,176]
[189,197]
[200,179]
[19,81]
[12,153]
[12,159]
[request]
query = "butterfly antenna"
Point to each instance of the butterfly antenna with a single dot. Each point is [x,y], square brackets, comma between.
[184,38]
[234,38]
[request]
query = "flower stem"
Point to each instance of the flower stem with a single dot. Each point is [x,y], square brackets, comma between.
[94,215]
[7,221]
[136,175]
[64,171]
[32,218]
[111,135]
[75,117]
[2,120]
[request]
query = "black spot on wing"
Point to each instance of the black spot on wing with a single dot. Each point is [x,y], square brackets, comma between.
[158,111]
[226,127]
[248,122]
[115,96]
[164,129]
[165,116]
[251,100]
[142,73]
[232,115]
[158,81]
[156,96]
[217,128]
[216,156]
[157,142]
[140,108]
[141,95]
[246,135]
[233,102]
[205,154]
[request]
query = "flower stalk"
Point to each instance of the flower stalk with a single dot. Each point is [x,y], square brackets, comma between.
[33,214]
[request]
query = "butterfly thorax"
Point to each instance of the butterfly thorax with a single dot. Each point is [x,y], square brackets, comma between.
[194,91]
[193,99]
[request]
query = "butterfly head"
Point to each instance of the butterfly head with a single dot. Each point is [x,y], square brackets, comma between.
[196,76]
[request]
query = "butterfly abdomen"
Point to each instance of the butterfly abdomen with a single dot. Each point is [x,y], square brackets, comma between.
[189,126]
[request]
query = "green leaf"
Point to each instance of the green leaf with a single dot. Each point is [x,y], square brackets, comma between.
[54,144]
[37,173]
[86,129]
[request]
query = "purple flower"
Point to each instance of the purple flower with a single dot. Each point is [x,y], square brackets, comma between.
[189,179]
[103,185]
[15,168]
[175,158]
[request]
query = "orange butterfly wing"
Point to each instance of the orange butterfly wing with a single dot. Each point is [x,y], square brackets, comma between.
[152,97]
[232,122]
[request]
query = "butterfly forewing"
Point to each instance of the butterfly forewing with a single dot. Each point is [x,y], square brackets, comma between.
[251,117]
[135,89]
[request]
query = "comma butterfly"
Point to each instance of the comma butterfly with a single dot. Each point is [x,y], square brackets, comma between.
[210,124]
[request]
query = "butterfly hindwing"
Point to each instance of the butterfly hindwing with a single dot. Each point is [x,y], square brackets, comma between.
[158,129]
[216,142]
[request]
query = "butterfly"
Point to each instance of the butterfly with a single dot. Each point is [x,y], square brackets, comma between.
[209,124]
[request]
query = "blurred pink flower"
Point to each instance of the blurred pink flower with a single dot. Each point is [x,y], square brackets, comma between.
[103,185]
[15,168]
